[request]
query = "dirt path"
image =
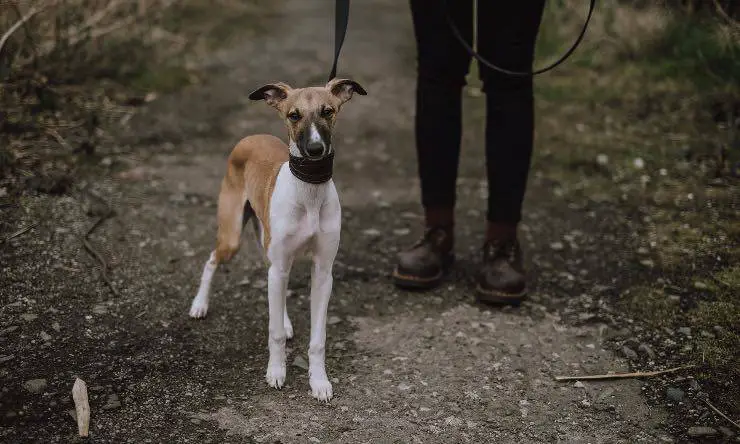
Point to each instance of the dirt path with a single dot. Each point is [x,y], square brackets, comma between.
[406,367]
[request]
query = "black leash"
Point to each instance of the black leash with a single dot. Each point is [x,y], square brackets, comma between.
[341,18]
[477,56]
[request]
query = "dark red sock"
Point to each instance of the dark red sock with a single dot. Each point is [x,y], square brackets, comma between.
[502,232]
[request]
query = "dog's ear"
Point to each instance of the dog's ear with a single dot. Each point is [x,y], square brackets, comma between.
[272,93]
[344,88]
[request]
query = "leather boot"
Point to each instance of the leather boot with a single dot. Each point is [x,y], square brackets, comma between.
[501,278]
[423,265]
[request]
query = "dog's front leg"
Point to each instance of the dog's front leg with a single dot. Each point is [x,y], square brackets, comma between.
[321,287]
[277,285]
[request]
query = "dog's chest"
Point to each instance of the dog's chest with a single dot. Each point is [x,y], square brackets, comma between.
[301,213]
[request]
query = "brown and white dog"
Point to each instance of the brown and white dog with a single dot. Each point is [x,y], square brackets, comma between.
[288,192]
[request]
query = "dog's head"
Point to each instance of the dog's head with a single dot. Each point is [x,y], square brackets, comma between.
[309,113]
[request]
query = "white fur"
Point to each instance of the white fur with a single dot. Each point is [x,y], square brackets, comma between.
[305,219]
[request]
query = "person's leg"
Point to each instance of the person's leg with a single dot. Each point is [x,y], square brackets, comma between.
[442,65]
[507,33]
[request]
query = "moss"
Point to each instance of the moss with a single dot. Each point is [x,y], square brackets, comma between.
[650,306]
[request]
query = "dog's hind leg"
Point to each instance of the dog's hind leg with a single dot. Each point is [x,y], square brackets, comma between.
[232,209]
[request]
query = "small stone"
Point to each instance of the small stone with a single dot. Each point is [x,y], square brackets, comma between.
[686,331]
[557,246]
[647,263]
[28,317]
[300,362]
[46,337]
[401,231]
[602,159]
[404,387]
[674,394]
[638,163]
[699,285]
[7,330]
[333,320]
[698,432]
[100,309]
[113,402]
[56,327]
[259,284]
[35,385]
[646,350]
[605,394]
[372,232]
[579,385]
[629,353]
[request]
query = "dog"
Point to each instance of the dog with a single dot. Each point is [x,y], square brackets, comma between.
[288,193]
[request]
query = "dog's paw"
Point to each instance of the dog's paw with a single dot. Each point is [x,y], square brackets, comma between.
[288,330]
[321,389]
[198,309]
[275,376]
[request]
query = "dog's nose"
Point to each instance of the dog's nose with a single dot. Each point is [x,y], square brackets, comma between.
[315,149]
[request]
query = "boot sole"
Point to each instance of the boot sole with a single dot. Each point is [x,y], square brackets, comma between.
[411,282]
[500,297]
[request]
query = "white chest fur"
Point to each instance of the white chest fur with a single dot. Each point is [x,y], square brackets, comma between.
[301,214]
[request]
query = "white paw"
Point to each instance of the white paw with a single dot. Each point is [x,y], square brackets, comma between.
[321,389]
[288,329]
[275,376]
[198,309]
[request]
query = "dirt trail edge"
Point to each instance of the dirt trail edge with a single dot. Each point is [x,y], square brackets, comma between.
[406,367]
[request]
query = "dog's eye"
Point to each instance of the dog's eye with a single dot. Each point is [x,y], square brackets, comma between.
[327,112]
[294,116]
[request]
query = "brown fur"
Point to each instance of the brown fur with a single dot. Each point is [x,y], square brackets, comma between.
[255,161]
[252,169]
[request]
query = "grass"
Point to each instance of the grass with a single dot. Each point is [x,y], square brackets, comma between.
[653,95]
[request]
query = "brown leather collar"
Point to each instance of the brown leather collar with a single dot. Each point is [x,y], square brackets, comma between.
[312,170]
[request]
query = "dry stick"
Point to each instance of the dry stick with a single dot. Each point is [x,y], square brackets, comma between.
[722,414]
[94,253]
[19,232]
[620,375]
[82,407]
[17,25]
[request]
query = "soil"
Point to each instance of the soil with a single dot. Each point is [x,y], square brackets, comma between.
[406,366]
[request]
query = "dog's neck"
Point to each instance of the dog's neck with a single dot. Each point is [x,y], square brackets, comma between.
[314,171]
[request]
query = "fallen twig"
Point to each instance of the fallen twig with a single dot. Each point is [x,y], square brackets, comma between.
[94,253]
[17,25]
[722,414]
[19,232]
[620,375]
[82,407]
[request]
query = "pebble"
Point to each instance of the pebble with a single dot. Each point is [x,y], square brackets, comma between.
[7,330]
[113,402]
[28,317]
[647,350]
[100,309]
[404,387]
[35,385]
[371,232]
[629,353]
[639,163]
[674,394]
[602,159]
[698,432]
[300,362]
[700,285]
[579,385]
[401,231]
[46,337]
[56,327]
[557,246]
[686,331]
[259,284]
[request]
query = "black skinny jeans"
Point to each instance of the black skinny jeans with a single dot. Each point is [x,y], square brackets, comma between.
[507,32]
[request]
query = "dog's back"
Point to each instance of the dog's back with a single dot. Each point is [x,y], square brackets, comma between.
[252,170]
